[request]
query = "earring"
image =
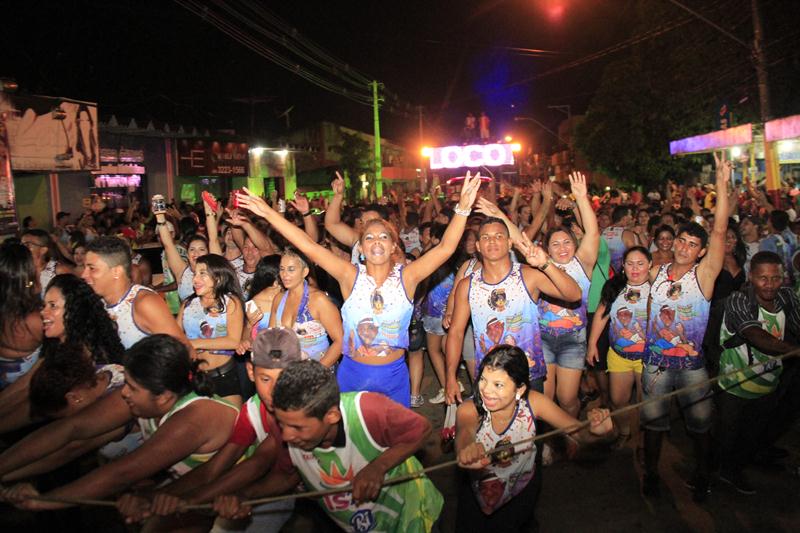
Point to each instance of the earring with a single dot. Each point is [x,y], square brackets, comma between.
[362,257]
[517,396]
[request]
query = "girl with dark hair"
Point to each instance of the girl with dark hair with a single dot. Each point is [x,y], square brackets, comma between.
[47,257]
[164,393]
[307,311]
[506,410]
[263,289]
[20,321]
[624,301]
[563,324]
[212,319]
[664,240]
[732,276]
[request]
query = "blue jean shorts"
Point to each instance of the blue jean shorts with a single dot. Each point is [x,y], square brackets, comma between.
[433,325]
[567,350]
[696,403]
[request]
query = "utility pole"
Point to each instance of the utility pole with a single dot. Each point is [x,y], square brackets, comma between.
[376,101]
[422,162]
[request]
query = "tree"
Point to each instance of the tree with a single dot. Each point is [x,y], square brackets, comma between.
[666,88]
[355,159]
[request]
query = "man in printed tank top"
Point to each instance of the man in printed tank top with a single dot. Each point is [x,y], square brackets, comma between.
[137,310]
[501,298]
[680,296]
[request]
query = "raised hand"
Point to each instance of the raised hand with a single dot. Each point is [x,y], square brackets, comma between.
[300,202]
[254,204]
[469,190]
[564,204]
[338,185]
[534,255]
[723,168]
[536,187]
[485,207]
[547,191]
[577,182]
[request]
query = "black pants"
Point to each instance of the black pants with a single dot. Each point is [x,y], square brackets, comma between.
[516,516]
[742,422]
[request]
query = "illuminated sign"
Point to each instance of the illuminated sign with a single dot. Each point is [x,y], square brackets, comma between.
[713,141]
[782,128]
[473,156]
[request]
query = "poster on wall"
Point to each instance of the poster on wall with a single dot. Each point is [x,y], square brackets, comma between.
[8,211]
[204,157]
[51,134]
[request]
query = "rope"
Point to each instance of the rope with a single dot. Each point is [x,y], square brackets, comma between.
[446,464]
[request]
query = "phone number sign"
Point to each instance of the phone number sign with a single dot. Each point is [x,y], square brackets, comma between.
[203,157]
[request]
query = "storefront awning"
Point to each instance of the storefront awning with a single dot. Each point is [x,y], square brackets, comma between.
[713,141]
[782,128]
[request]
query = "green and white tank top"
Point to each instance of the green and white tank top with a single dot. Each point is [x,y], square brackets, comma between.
[149,427]
[409,507]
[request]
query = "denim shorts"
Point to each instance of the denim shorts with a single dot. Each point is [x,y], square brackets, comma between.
[433,325]
[695,403]
[567,350]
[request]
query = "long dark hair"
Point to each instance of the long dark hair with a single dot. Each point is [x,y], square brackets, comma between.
[739,249]
[226,283]
[266,274]
[615,285]
[18,294]
[86,321]
[509,358]
[161,363]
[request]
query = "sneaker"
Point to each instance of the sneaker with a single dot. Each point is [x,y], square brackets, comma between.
[700,487]
[738,481]
[439,398]
[650,486]
[417,401]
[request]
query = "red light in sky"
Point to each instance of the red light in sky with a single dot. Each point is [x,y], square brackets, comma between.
[554,9]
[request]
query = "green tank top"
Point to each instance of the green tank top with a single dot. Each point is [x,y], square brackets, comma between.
[409,507]
[599,277]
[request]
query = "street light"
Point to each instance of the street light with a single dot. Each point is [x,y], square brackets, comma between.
[508,138]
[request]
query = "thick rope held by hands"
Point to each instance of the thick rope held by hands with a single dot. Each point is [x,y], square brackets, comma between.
[446,464]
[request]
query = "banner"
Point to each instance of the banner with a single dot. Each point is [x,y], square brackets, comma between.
[8,211]
[202,157]
[51,134]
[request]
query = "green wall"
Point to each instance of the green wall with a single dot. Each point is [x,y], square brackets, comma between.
[33,198]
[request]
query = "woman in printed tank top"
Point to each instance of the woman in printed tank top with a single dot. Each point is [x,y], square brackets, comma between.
[307,311]
[505,411]
[212,319]
[378,294]
[563,324]
[624,302]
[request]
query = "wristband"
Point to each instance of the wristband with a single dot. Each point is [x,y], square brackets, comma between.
[544,266]
[304,215]
[463,212]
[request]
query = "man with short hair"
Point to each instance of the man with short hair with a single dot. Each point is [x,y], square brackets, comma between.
[761,321]
[137,310]
[680,298]
[501,298]
[781,241]
[355,438]
[619,236]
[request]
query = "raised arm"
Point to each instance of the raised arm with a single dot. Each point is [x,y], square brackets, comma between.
[423,267]
[490,210]
[540,215]
[304,208]
[544,276]
[590,244]
[711,264]
[212,228]
[454,342]
[333,221]
[174,260]
[343,271]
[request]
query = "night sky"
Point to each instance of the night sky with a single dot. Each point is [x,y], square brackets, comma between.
[157,60]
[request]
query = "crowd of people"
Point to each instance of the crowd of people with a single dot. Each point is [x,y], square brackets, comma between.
[285,349]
